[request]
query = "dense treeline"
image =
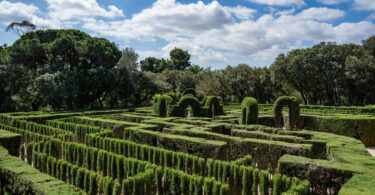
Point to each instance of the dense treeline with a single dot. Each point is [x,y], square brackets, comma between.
[69,69]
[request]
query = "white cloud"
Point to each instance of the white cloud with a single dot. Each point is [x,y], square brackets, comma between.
[11,12]
[18,12]
[279,2]
[168,19]
[212,33]
[285,12]
[371,16]
[364,4]
[241,12]
[81,9]
[206,30]
[333,2]
[322,14]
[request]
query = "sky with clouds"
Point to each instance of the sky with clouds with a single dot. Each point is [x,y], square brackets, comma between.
[216,33]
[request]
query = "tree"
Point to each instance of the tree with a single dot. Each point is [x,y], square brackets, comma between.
[86,60]
[180,59]
[361,73]
[149,64]
[129,59]
[126,74]
[369,45]
[21,28]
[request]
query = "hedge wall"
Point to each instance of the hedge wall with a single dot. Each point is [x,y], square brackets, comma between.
[17,177]
[10,141]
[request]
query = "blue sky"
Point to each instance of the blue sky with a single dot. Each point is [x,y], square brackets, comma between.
[216,33]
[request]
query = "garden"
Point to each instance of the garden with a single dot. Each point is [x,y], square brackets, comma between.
[187,145]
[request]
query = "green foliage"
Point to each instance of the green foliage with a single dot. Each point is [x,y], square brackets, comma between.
[294,110]
[212,106]
[249,109]
[180,59]
[277,182]
[190,91]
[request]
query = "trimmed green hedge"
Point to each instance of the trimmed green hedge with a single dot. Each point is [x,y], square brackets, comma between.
[10,141]
[162,104]
[294,110]
[184,102]
[359,127]
[17,177]
[249,109]
[212,106]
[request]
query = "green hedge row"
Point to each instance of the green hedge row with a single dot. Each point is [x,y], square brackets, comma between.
[227,172]
[17,177]
[10,141]
[26,135]
[33,127]
[264,152]
[197,146]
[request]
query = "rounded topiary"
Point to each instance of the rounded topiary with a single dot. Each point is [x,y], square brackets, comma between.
[184,103]
[212,106]
[249,109]
[294,110]
[190,91]
[161,106]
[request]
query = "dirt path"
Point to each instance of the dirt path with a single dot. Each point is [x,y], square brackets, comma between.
[371,150]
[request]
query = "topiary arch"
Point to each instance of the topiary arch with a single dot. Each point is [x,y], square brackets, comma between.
[184,103]
[249,109]
[161,107]
[294,110]
[212,106]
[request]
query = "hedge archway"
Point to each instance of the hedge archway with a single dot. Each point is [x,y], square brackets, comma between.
[212,104]
[249,107]
[294,110]
[161,107]
[185,102]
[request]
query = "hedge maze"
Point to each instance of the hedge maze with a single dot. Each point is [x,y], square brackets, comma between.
[158,150]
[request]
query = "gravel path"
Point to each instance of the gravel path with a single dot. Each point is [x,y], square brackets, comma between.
[371,150]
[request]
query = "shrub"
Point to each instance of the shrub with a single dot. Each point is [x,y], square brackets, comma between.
[162,104]
[186,101]
[212,106]
[294,110]
[249,109]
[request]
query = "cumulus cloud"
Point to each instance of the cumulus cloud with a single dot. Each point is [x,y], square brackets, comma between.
[364,4]
[322,14]
[211,32]
[241,12]
[333,2]
[10,12]
[18,12]
[81,9]
[209,29]
[279,2]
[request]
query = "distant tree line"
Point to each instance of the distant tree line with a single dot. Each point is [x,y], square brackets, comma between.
[69,69]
